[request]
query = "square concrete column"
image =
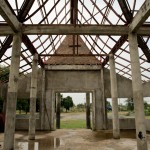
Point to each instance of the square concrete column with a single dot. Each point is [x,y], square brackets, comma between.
[33,96]
[42,102]
[105,126]
[52,112]
[93,112]
[114,96]
[99,110]
[137,93]
[12,93]
[88,119]
[58,105]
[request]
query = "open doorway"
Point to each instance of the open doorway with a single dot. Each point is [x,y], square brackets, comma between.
[73,110]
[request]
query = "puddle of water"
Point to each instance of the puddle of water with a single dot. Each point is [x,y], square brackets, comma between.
[41,144]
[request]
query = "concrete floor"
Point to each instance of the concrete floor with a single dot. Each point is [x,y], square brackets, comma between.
[75,139]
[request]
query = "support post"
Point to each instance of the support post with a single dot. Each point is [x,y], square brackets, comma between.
[114,95]
[52,112]
[88,119]
[93,112]
[12,93]
[104,100]
[33,95]
[58,100]
[42,106]
[137,93]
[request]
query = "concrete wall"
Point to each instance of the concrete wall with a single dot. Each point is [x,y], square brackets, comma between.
[125,123]
[72,81]
[23,124]
[124,85]
[77,81]
[25,83]
[146,89]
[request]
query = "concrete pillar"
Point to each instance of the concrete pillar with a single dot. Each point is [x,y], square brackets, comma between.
[42,103]
[103,100]
[33,96]
[52,112]
[47,125]
[99,110]
[12,93]
[93,111]
[88,119]
[114,96]
[58,104]
[137,93]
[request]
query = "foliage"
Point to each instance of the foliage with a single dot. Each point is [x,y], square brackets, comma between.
[146,108]
[67,103]
[108,106]
[4,73]
[23,104]
[146,105]
[130,104]
[82,106]
[147,112]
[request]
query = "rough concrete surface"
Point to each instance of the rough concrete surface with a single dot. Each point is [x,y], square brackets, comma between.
[75,139]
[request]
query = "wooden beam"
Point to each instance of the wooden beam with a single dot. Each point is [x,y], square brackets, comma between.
[9,17]
[140,17]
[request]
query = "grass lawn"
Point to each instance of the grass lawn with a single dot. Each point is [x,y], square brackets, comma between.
[72,124]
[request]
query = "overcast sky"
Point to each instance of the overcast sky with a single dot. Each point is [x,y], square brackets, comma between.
[77,97]
[81,98]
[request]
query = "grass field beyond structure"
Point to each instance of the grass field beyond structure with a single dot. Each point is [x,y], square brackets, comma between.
[73,124]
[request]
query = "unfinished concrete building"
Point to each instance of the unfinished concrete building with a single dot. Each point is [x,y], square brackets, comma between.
[96,46]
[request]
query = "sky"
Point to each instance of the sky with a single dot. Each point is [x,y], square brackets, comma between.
[79,98]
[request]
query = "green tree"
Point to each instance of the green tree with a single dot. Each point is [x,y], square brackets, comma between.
[23,104]
[130,104]
[4,73]
[146,105]
[67,103]
[81,107]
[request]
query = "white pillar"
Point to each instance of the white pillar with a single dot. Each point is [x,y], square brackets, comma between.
[12,93]
[114,96]
[137,93]
[33,96]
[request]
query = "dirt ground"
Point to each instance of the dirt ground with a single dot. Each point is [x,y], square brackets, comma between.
[75,139]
